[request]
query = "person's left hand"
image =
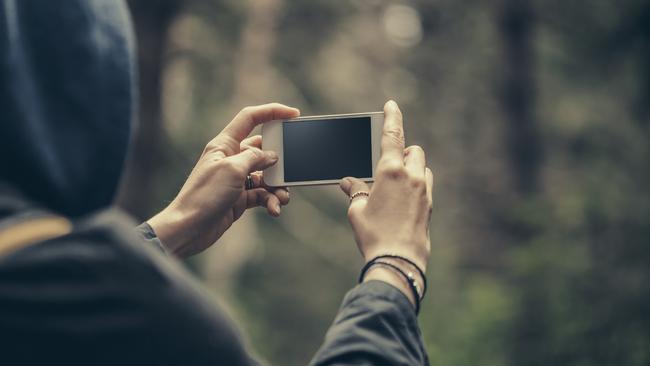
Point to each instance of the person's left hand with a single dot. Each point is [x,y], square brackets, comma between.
[213,196]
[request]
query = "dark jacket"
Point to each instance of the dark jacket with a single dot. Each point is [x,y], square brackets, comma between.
[106,293]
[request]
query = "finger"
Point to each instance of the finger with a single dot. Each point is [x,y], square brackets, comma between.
[263,198]
[282,194]
[273,205]
[429,179]
[415,160]
[249,117]
[351,186]
[253,159]
[256,180]
[228,141]
[392,139]
[252,141]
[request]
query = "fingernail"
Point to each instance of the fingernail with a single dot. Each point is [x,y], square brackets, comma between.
[272,155]
[277,208]
[392,105]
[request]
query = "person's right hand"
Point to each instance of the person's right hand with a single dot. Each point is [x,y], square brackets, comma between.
[214,195]
[394,217]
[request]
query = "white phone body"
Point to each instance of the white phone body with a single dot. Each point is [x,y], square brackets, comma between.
[273,139]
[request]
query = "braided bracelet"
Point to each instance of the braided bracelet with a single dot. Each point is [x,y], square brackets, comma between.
[413,285]
[395,256]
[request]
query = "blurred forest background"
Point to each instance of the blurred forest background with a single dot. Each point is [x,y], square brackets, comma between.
[534,116]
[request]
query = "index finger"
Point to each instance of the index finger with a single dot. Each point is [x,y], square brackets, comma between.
[246,120]
[392,138]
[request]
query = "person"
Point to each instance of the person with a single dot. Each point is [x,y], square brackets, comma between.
[78,285]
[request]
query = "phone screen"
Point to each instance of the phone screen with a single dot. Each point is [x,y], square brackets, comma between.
[327,149]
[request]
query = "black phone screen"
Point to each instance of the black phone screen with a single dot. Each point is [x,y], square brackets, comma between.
[327,149]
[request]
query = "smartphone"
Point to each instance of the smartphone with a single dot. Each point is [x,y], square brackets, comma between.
[323,149]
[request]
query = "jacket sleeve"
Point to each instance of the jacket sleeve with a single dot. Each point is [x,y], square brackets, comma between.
[376,325]
[146,233]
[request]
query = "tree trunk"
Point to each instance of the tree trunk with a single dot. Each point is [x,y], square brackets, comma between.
[516,22]
[151,20]
[253,85]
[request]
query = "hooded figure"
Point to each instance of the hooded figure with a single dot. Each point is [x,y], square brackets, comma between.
[67,104]
[80,285]
[67,101]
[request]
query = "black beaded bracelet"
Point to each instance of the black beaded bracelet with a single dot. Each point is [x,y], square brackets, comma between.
[408,277]
[395,256]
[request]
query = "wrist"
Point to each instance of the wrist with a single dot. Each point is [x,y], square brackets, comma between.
[403,274]
[380,273]
[414,260]
[169,228]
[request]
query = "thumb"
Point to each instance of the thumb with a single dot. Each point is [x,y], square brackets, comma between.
[253,159]
[351,185]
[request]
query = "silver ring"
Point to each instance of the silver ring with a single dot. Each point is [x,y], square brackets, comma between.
[357,194]
[249,182]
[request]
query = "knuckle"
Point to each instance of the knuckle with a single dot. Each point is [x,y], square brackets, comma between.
[246,110]
[215,146]
[245,113]
[395,134]
[417,183]
[255,153]
[222,143]
[393,170]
